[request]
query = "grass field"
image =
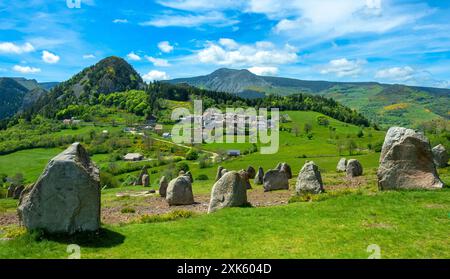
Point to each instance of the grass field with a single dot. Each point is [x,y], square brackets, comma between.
[411,224]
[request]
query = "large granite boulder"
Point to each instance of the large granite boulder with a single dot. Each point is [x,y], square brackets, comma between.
[163,184]
[259,176]
[66,197]
[228,191]
[440,156]
[309,180]
[179,191]
[406,161]
[354,168]
[275,180]
[342,165]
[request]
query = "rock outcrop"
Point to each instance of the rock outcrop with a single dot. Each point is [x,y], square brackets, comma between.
[406,161]
[309,180]
[66,197]
[228,191]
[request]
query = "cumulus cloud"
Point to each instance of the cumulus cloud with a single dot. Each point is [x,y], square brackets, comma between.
[343,67]
[50,58]
[88,56]
[120,20]
[396,73]
[258,54]
[264,71]
[12,48]
[158,61]
[26,69]
[155,75]
[133,56]
[213,18]
[165,46]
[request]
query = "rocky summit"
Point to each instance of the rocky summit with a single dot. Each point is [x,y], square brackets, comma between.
[66,197]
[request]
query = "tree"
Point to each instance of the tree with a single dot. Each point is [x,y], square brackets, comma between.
[351,146]
[307,128]
[296,130]
[192,155]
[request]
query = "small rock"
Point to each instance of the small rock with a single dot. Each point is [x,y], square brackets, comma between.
[440,156]
[342,165]
[354,168]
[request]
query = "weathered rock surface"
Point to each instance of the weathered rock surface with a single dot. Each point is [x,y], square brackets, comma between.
[342,165]
[259,176]
[66,197]
[275,180]
[251,172]
[284,167]
[228,191]
[440,156]
[163,184]
[406,161]
[145,180]
[354,168]
[219,173]
[179,191]
[244,174]
[309,180]
[18,191]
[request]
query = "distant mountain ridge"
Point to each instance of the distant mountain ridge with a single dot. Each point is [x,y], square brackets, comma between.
[388,104]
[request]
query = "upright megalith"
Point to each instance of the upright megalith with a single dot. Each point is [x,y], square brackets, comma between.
[251,172]
[245,175]
[309,180]
[228,191]
[440,156]
[163,184]
[179,191]
[406,161]
[342,165]
[277,179]
[354,168]
[66,197]
[139,180]
[259,176]
[219,173]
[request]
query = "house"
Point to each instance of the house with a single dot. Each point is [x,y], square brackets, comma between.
[133,157]
[159,129]
[234,153]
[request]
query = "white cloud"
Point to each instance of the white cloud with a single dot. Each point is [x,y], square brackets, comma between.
[258,54]
[213,18]
[26,69]
[88,56]
[50,58]
[396,73]
[158,62]
[264,71]
[8,47]
[343,67]
[120,20]
[133,56]
[155,75]
[165,46]
[202,5]
[228,43]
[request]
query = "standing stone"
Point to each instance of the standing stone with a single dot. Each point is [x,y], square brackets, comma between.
[251,172]
[179,191]
[145,180]
[284,167]
[309,180]
[342,165]
[163,184]
[354,168]
[440,156]
[219,173]
[189,174]
[275,180]
[245,176]
[141,174]
[18,191]
[259,176]
[228,191]
[11,190]
[406,161]
[66,197]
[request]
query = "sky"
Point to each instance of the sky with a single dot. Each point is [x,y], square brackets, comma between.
[389,41]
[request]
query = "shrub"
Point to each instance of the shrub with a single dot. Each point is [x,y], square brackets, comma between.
[202,177]
[192,155]
[181,166]
[360,134]
[127,210]
[323,121]
[108,180]
[172,216]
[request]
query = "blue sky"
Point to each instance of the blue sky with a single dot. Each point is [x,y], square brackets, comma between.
[391,41]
